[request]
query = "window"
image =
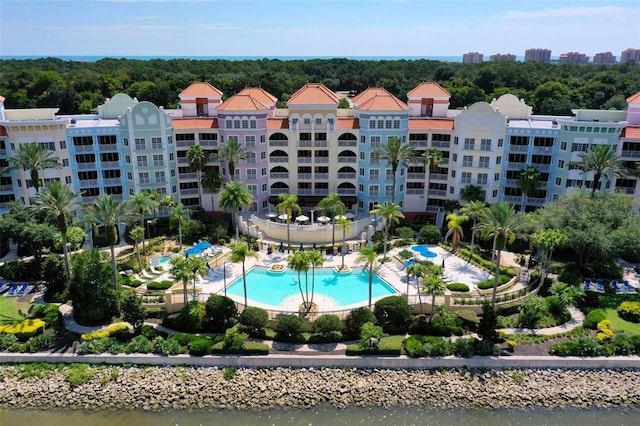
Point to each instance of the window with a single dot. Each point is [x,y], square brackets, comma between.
[253,189]
[245,124]
[263,155]
[253,124]
[50,146]
[318,121]
[388,124]
[467,161]
[388,174]
[498,160]
[485,144]
[455,142]
[363,156]
[160,177]
[483,178]
[171,156]
[264,171]
[63,144]
[484,162]
[452,189]
[380,124]
[374,174]
[500,142]
[82,141]
[469,143]
[453,173]
[263,139]
[561,164]
[496,177]
[129,175]
[360,188]
[141,143]
[466,177]
[143,177]
[65,162]
[173,172]
[127,159]
[264,187]
[375,141]
[454,158]
[372,123]
[374,190]
[580,147]
[558,181]
[232,138]
[141,160]
[156,143]
[67,180]
[307,121]
[494,194]
[374,158]
[236,123]
[158,160]
[228,123]
[250,141]
[563,145]
[396,124]
[251,174]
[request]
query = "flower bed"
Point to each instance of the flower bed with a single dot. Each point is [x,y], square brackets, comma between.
[278,268]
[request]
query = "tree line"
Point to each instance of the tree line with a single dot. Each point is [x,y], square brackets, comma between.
[79,87]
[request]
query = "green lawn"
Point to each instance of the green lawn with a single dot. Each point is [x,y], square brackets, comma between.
[9,307]
[618,324]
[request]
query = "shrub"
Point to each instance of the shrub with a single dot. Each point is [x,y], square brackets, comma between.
[429,234]
[622,344]
[221,312]
[167,346]
[435,346]
[605,332]
[200,346]
[393,313]
[464,347]
[470,319]
[405,232]
[593,318]
[405,254]
[291,326]
[160,285]
[78,374]
[357,318]
[582,346]
[151,333]
[190,318]
[511,345]
[38,343]
[458,287]
[629,311]
[95,346]
[234,340]
[254,320]
[139,344]
[488,323]
[107,332]
[502,279]
[50,314]
[7,341]
[327,324]
[413,347]
[24,329]
[370,336]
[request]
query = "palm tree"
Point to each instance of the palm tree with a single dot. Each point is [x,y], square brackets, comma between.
[390,213]
[31,156]
[235,196]
[143,204]
[197,158]
[232,153]
[137,234]
[299,262]
[502,223]
[108,212]
[332,204]
[417,270]
[180,215]
[212,182]
[395,152]
[369,258]
[435,286]
[185,269]
[474,210]
[455,228]
[316,259]
[603,161]
[471,193]
[288,205]
[239,253]
[431,159]
[529,183]
[345,225]
[59,201]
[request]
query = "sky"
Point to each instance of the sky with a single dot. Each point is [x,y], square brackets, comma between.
[333,28]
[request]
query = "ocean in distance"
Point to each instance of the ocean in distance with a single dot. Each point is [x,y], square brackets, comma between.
[328,416]
[245,58]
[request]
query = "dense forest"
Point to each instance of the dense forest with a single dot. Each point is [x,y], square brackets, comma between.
[78,87]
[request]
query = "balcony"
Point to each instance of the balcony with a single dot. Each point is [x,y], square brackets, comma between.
[83,148]
[631,154]
[418,144]
[6,188]
[304,175]
[278,191]
[542,149]
[321,176]
[437,193]
[305,191]
[86,166]
[304,160]
[440,144]
[415,191]
[346,191]
[305,143]
[108,147]
[278,143]
[189,191]
[323,191]
[183,160]
[322,160]
[438,176]
[279,175]
[110,164]
[208,143]
[541,167]
[346,175]
[279,159]
[3,151]
[189,175]
[349,160]
[88,183]
[626,190]
[347,143]
[184,144]
[321,144]
[112,181]
[518,148]
[416,175]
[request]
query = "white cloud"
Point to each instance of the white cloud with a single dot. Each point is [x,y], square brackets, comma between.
[567,12]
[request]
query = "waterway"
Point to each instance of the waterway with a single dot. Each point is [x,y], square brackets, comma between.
[326,415]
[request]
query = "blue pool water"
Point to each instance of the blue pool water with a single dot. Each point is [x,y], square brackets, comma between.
[345,289]
[164,259]
[424,251]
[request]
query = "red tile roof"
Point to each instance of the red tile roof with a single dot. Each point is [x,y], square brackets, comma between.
[242,103]
[430,124]
[313,94]
[195,123]
[633,99]
[200,89]
[348,123]
[372,91]
[260,94]
[631,132]
[383,103]
[278,123]
[428,90]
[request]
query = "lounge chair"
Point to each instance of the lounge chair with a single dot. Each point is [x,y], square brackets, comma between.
[617,288]
[12,291]
[599,286]
[629,289]
[587,284]
[24,290]
[4,286]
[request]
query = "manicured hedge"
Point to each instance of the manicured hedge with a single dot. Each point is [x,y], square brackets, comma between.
[502,279]
[629,311]
[24,329]
[593,318]
[461,287]
[160,285]
[107,332]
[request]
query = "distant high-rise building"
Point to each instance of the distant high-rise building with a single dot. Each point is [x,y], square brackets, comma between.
[604,58]
[502,57]
[472,58]
[573,58]
[537,55]
[629,55]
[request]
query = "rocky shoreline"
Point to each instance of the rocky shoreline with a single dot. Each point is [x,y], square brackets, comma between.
[163,388]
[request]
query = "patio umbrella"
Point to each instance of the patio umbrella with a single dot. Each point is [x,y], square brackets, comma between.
[314,246]
[323,219]
[302,218]
[281,246]
[338,217]
[283,216]
[349,215]
[203,245]
[192,251]
[272,215]
[301,247]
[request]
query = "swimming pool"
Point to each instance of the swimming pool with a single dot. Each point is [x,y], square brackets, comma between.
[164,259]
[343,289]
[424,251]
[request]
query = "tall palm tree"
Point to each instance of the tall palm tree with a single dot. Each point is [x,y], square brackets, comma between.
[345,225]
[235,196]
[603,161]
[59,201]
[471,193]
[180,215]
[529,183]
[435,286]
[212,182]
[395,153]
[232,152]
[474,210]
[417,270]
[239,253]
[31,156]
[143,204]
[186,269]
[369,258]
[431,159]
[503,224]
[455,231]
[390,213]
[288,205]
[108,212]
[333,206]
[299,262]
[197,158]
[137,234]
[316,259]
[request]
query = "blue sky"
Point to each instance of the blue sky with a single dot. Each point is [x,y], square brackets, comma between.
[315,28]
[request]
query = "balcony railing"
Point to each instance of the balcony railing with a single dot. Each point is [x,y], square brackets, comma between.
[305,191]
[541,167]
[518,148]
[415,191]
[304,175]
[111,181]
[415,175]
[632,154]
[321,176]
[322,160]
[87,183]
[278,191]
[304,159]
[626,190]
[348,160]
[546,149]
[83,148]
[278,143]
[346,191]
[189,191]
[208,143]
[418,144]
[188,175]
[440,144]
[86,166]
[279,159]
[5,188]
[321,144]
[181,144]
[437,193]
[183,160]
[108,147]
[279,175]
[305,143]
[347,143]
[322,191]
[438,176]
[346,175]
